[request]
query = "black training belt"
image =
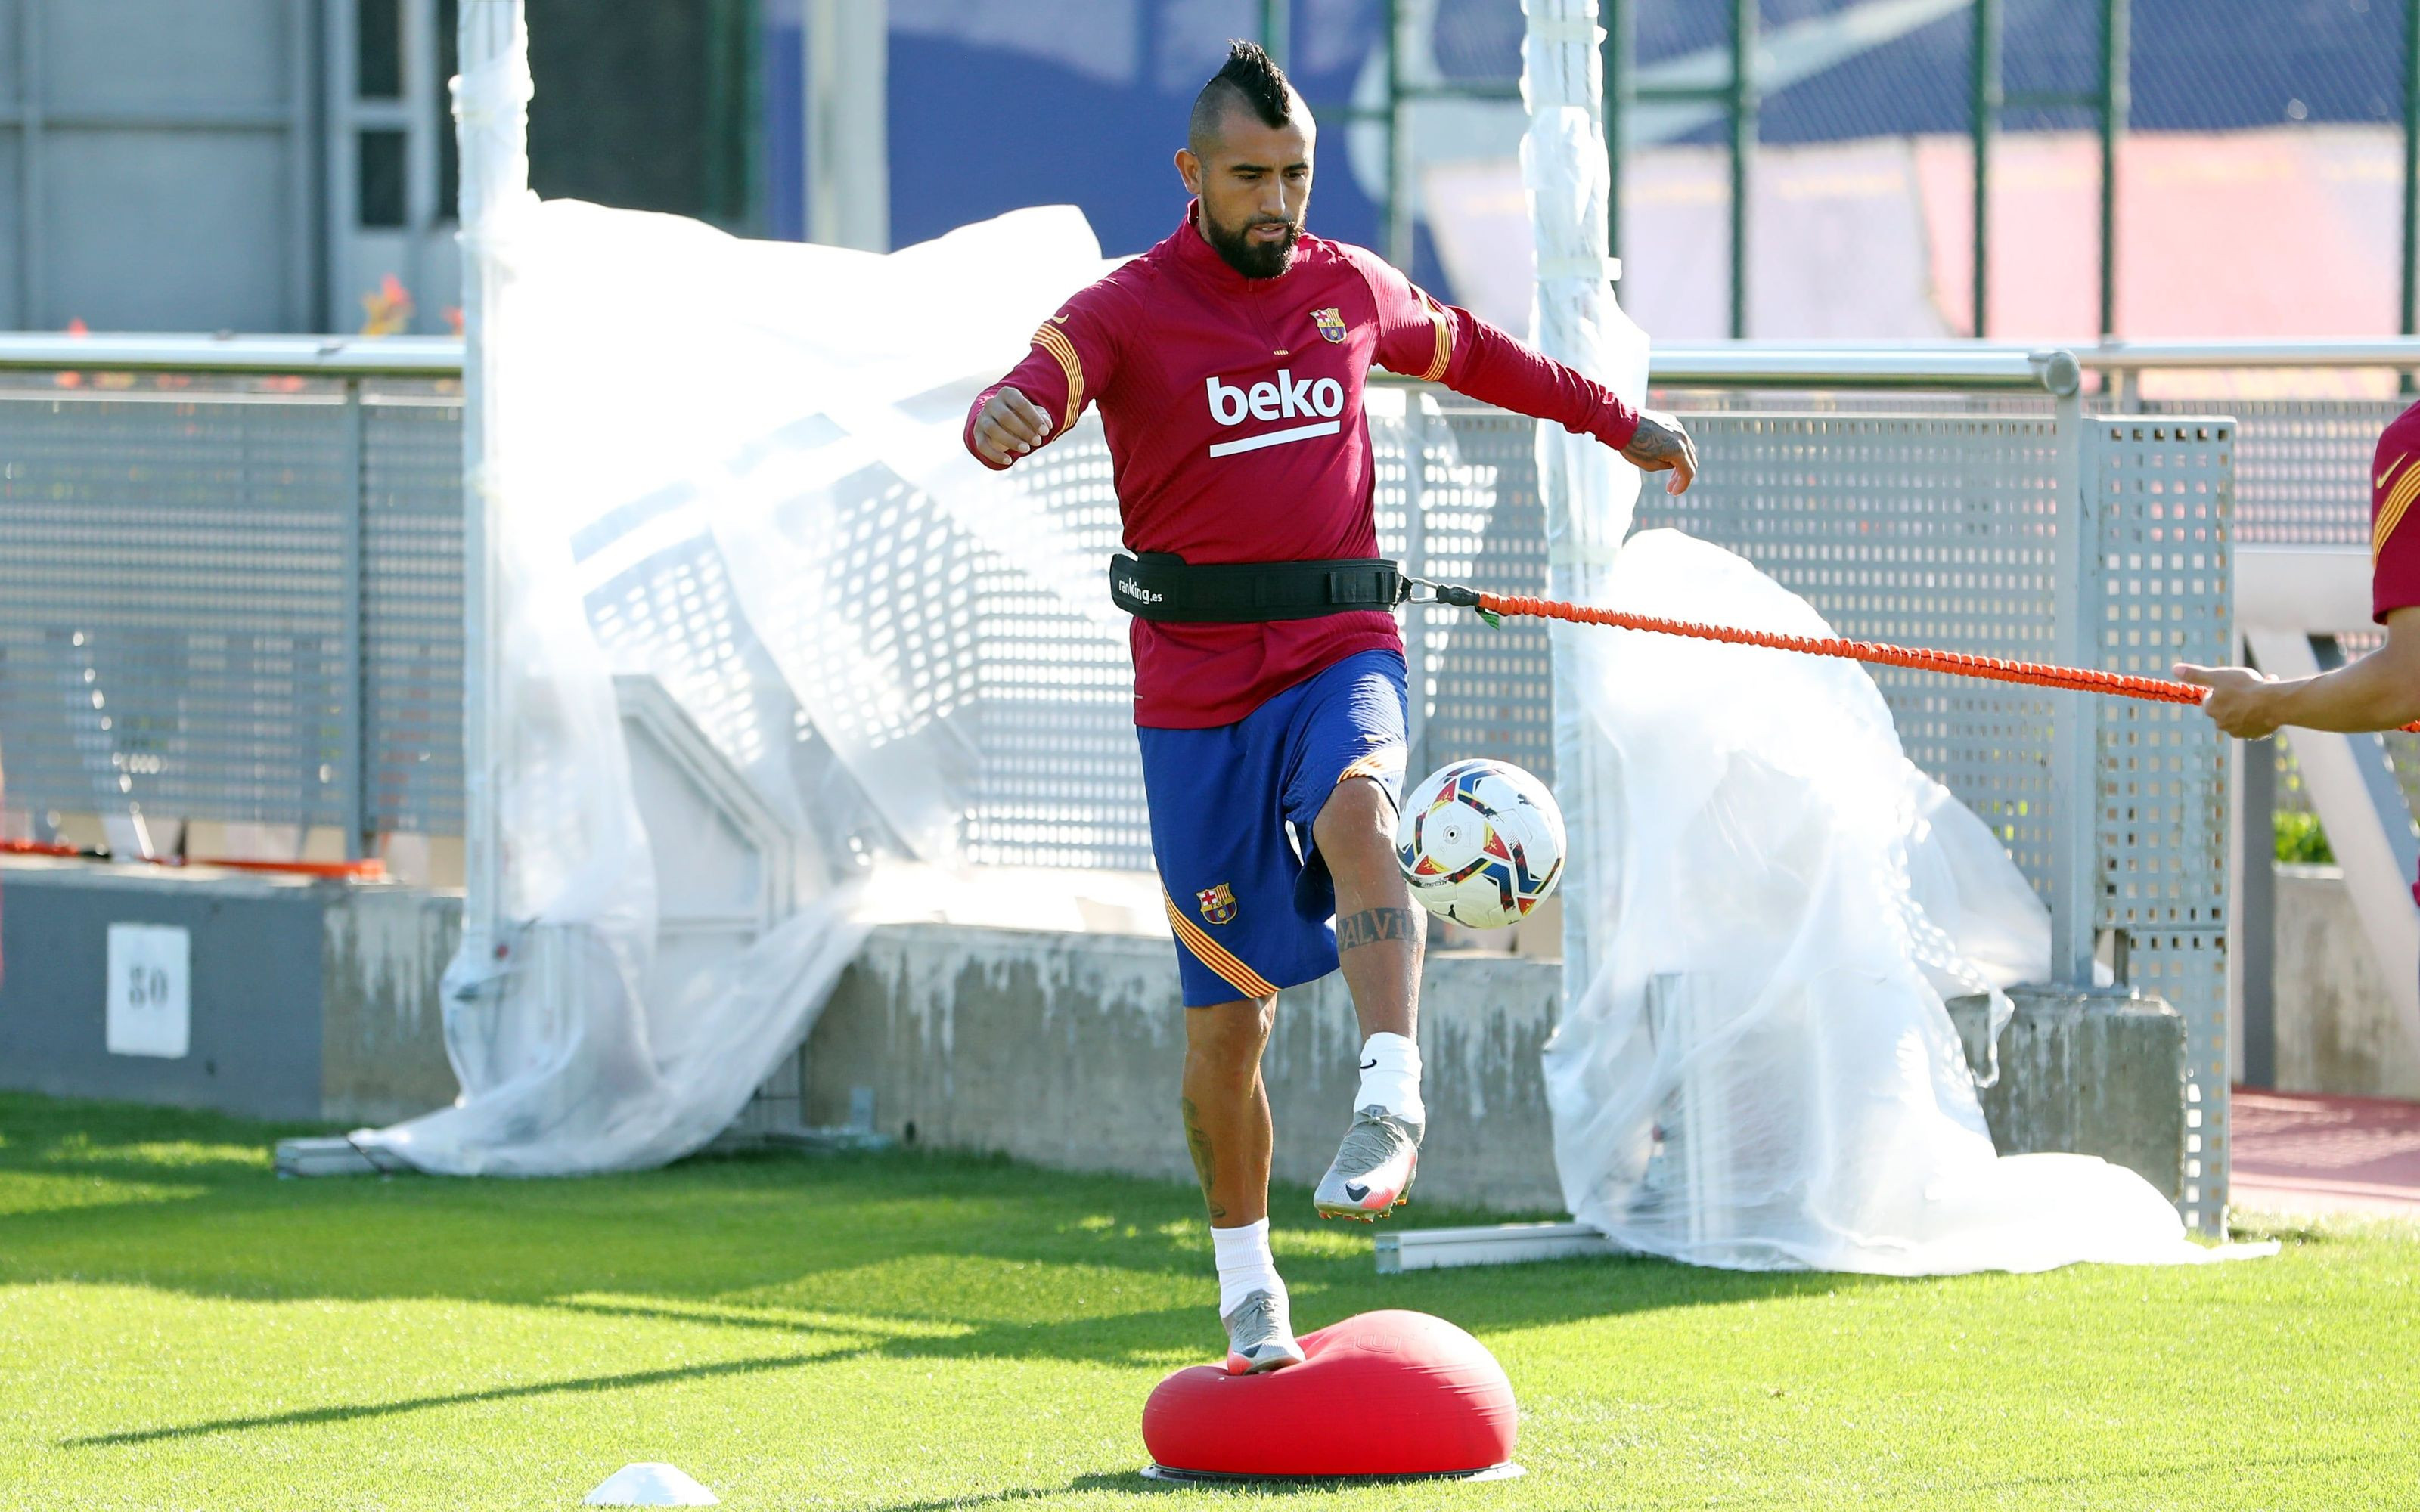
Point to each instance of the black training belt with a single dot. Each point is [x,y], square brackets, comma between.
[1159,586]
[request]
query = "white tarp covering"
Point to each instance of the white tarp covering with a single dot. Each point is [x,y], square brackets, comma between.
[660,393]
[1764,901]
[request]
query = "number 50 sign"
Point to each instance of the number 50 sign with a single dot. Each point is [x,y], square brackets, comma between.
[151,1009]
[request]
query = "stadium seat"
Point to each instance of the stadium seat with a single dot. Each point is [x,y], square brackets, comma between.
[1389,1392]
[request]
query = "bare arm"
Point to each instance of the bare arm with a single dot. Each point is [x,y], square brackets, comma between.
[2380,692]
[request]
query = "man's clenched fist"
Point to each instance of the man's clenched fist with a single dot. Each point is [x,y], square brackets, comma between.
[1010,425]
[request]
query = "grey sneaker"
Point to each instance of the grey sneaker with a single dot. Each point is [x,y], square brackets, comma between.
[1373,1169]
[1259,1336]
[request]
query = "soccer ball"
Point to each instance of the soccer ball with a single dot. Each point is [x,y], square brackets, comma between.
[1481,842]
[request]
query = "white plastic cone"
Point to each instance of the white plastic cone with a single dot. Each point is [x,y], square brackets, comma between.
[650,1485]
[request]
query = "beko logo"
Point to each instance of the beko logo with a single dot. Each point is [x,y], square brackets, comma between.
[1287,399]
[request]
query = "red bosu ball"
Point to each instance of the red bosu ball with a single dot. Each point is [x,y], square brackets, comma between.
[1384,1393]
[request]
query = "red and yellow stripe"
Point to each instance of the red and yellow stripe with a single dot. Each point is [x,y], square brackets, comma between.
[1379,763]
[2392,509]
[1444,324]
[1054,341]
[1217,956]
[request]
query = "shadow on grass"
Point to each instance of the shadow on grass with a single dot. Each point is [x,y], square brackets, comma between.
[1101,1268]
[414,1404]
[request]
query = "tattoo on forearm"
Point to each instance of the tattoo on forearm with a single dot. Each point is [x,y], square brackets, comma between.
[1373,926]
[1205,1163]
[1653,443]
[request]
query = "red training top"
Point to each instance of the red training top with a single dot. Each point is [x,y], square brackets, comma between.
[2394,543]
[1233,408]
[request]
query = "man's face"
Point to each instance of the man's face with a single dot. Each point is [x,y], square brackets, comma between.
[1254,185]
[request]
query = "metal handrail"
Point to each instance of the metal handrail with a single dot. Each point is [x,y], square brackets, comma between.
[336,356]
[1938,365]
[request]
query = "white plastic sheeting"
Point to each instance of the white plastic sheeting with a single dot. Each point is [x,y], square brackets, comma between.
[1764,900]
[1760,1072]
[660,405]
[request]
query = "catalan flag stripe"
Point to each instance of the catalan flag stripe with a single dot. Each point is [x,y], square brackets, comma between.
[1444,342]
[1377,763]
[2390,514]
[1216,956]
[1054,341]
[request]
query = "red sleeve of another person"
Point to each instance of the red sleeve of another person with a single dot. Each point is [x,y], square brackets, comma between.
[1073,357]
[2393,531]
[1421,338]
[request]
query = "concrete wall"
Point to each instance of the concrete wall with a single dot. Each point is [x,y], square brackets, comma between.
[308,1000]
[1066,1050]
[2336,1027]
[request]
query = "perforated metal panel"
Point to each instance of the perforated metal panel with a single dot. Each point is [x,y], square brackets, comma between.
[1487,692]
[198,580]
[2163,505]
[2301,467]
[1922,530]
[174,637]
[411,607]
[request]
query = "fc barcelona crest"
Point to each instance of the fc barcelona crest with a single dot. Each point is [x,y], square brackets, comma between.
[1330,324]
[1217,904]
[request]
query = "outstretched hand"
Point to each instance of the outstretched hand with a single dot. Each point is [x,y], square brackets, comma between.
[1662,446]
[1011,425]
[2235,702]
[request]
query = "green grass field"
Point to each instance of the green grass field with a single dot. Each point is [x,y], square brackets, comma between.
[181,1329]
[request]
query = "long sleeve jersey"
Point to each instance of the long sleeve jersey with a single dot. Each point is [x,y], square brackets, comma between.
[1232,411]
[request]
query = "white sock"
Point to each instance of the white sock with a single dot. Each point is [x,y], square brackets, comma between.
[1244,1264]
[1390,1077]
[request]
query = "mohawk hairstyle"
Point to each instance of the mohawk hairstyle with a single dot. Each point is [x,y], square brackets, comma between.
[1251,78]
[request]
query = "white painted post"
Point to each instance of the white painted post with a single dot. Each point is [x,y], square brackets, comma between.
[846,44]
[491,116]
[1588,491]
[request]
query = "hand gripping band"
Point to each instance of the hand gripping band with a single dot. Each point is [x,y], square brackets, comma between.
[1160,586]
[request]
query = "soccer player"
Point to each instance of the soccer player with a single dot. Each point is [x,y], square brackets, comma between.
[2382,690]
[1227,363]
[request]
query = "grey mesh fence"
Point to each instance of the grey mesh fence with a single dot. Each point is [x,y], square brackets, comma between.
[231,599]
[242,600]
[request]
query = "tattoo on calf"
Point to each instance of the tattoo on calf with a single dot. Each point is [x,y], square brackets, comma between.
[1373,926]
[1205,1163]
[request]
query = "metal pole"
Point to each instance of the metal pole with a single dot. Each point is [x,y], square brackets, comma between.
[1275,15]
[353,763]
[848,143]
[488,30]
[2255,947]
[1743,108]
[2411,173]
[2074,880]
[2117,106]
[1986,99]
[1620,70]
[1400,243]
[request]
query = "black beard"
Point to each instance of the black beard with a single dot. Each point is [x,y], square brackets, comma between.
[1253,259]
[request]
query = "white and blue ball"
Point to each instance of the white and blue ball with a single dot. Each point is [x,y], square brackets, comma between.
[1480,843]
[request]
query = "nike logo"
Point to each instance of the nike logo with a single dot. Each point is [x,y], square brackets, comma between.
[1370,1064]
[2390,473]
[1355,1191]
[1058,319]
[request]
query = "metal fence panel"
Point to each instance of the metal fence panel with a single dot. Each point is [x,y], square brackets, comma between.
[1920,528]
[2164,507]
[172,635]
[411,607]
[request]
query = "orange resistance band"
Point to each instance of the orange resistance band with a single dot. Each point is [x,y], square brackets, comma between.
[1959,664]
[372,870]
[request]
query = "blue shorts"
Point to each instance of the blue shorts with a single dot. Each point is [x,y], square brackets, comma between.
[1251,903]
